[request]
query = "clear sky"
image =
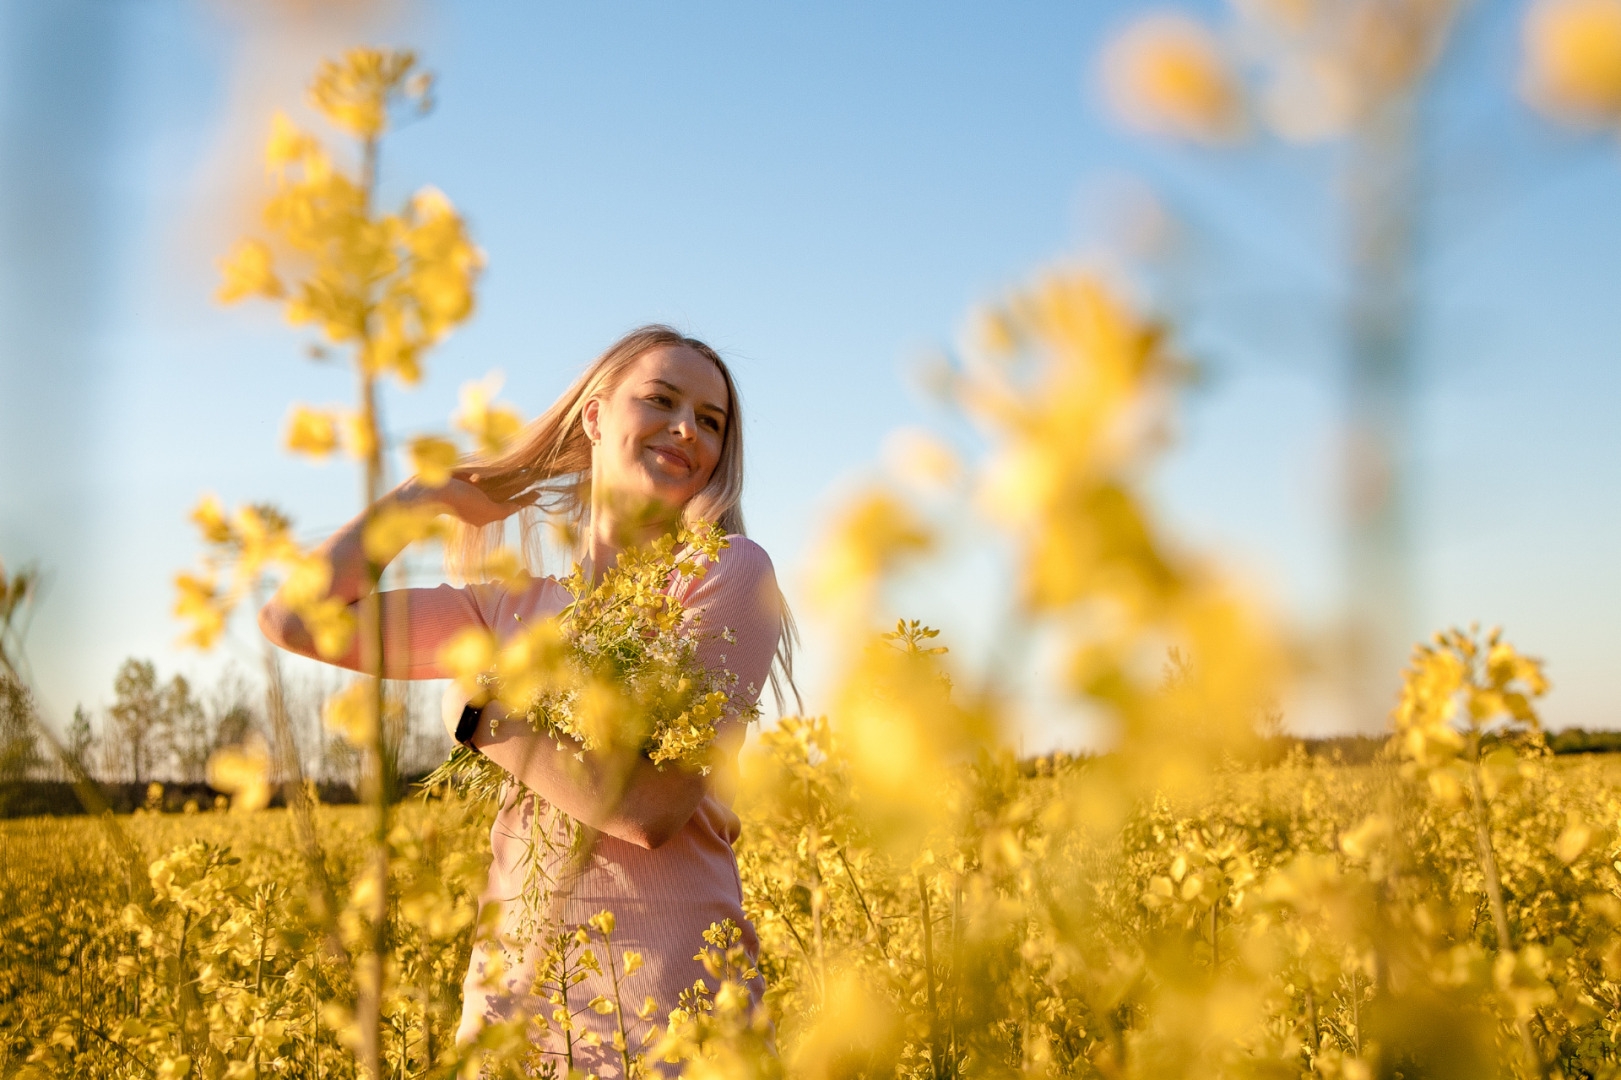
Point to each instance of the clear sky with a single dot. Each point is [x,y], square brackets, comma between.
[823,192]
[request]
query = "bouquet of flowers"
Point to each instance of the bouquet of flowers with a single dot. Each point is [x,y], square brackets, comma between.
[616,670]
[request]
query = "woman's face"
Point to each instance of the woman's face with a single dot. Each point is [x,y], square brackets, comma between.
[658,434]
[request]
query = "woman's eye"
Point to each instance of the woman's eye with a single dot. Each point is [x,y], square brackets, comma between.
[710,422]
[660,399]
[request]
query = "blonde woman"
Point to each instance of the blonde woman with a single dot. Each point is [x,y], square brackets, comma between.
[648,436]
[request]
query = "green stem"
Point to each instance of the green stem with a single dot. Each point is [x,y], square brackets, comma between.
[1494,892]
[259,979]
[1311,1026]
[862,900]
[370,967]
[619,1008]
[928,977]
[1356,1015]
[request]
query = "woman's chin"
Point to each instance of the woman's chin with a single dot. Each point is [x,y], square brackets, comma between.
[651,504]
[665,495]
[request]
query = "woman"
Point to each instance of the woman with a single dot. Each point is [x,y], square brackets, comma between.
[650,435]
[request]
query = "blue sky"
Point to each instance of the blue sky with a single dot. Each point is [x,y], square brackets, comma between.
[823,192]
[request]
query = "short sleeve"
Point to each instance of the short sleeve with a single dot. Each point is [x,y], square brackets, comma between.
[431,618]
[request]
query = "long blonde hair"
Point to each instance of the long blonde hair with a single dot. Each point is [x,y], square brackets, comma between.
[553,454]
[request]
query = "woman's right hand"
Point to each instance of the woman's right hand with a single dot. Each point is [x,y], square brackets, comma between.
[463,499]
[355,566]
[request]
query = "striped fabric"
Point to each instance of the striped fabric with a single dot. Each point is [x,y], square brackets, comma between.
[662,899]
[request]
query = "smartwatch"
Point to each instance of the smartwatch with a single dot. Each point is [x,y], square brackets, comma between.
[467,724]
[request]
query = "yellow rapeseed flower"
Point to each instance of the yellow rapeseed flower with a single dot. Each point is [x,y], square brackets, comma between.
[310,431]
[432,459]
[1170,75]
[287,144]
[243,772]
[248,271]
[490,424]
[198,602]
[393,528]
[1573,58]
[352,712]
[469,654]
[355,94]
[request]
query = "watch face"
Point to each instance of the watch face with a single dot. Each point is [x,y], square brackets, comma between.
[465,726]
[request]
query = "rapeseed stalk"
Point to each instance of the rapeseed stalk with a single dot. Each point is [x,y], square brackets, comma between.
[383,287]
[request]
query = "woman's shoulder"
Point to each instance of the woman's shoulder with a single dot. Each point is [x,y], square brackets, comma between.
[741,567]
[744,549]
[741,558]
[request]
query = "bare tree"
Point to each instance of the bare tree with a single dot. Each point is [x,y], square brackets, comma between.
[187,731]
[232,715]
[422,742]
[81,741]
[138,714]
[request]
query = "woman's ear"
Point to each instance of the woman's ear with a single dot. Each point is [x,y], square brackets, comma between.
[591,419]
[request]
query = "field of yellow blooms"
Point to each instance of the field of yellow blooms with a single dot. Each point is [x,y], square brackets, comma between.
[1304,918]
[928,905]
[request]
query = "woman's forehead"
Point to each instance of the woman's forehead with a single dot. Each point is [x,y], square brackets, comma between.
[685,368]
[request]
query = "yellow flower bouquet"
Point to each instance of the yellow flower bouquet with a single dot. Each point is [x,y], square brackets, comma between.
[617,670]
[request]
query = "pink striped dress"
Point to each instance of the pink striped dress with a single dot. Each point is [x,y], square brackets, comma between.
[663,899]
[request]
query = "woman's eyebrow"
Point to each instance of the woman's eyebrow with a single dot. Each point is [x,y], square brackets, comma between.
[678,390]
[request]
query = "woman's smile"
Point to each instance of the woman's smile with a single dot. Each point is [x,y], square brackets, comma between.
[673,458]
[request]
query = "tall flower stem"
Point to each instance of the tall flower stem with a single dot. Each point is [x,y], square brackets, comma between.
[1481,812]
[935,1070]
[369,965]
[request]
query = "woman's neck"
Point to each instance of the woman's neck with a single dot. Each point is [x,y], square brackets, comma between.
[610,533]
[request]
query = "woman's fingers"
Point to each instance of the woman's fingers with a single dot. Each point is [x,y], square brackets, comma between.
[518,502]
[465,498]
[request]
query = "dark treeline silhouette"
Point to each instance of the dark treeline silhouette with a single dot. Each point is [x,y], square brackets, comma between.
[56,798]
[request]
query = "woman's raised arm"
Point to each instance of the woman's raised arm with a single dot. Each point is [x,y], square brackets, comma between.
[416,622]
[646,806]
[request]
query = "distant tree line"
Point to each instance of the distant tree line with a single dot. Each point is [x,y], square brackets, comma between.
[166,730]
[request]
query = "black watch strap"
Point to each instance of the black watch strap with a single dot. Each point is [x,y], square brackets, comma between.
[467,724]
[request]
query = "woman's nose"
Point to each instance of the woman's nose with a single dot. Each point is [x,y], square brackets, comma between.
[685,426]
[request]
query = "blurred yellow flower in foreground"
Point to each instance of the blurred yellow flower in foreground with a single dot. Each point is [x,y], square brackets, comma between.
[392,528]
[490,424]
[355,93]
[197,602]
[243,772]
[1573,58]
[872,537]
[247,272]
[311,431]
[352,712]
[1170,75]
[432,458]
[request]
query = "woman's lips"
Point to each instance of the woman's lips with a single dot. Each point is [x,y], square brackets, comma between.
[674,456]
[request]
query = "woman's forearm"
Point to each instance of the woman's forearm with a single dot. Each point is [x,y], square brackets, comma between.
[626,797]
[345,550]
[353,577]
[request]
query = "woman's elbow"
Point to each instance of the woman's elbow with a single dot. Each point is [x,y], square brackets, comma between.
[280,626]
[656,831]
[649,836]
